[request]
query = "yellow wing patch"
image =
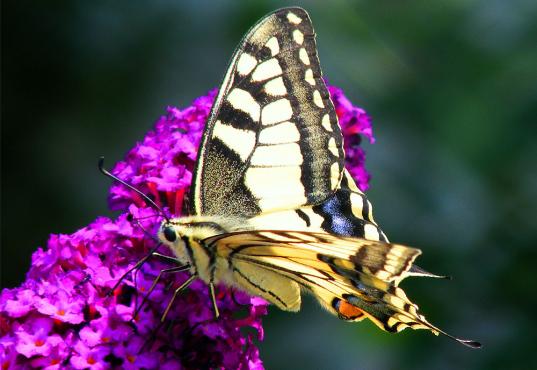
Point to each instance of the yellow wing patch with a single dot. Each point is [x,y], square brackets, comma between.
[265,283]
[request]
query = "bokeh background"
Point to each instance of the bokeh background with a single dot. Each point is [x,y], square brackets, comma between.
[452,90]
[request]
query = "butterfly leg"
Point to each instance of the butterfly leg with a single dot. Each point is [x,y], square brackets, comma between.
[135,267]
[213,299]
[155,282]
[166,258]
[183,286]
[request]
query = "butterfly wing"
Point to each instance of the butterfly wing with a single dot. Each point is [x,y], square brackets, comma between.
[352,278]
[272,141]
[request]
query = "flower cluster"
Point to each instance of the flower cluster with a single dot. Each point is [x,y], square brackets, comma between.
[354,122]
[69,312]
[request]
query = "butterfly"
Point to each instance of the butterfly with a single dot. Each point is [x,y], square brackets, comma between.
[273,211]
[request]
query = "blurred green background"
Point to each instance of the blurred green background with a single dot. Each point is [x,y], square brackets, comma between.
[452,90]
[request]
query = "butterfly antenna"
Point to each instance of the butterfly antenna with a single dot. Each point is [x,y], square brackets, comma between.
[146,198]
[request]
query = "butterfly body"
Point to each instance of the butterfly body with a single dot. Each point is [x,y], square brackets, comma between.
[273,211]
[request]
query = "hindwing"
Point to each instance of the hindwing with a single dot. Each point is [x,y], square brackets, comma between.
[346,212]
[352,278]
[272,141]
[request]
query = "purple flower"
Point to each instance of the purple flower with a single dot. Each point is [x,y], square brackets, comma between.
[62,306]
[56,357]
[18,302]
[63,314]
[86,357]
[8,354]
[133,358]
[35,337]
[354,122]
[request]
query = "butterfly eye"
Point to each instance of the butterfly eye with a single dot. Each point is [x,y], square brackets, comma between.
[169,233]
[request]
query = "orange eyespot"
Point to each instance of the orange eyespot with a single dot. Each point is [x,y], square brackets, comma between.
[346,311]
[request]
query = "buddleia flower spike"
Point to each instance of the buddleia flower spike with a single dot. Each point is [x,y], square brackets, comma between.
[64,297]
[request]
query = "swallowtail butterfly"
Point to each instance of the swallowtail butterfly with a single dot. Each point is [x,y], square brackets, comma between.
[273,211]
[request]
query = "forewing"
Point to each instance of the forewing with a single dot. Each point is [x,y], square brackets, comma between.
[352,278]
[273,141]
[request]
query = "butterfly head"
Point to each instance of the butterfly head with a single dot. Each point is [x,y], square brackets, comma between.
[168,232]
[186,236]
[195,227]
[178,232]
